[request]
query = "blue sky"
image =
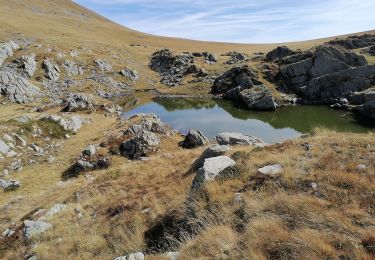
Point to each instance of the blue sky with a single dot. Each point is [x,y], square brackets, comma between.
[243,21]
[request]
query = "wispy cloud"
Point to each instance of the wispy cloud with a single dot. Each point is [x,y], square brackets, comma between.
[250,21]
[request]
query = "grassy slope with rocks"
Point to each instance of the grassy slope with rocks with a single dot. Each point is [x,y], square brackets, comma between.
[320,207]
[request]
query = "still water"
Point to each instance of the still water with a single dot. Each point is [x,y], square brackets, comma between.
[215,116]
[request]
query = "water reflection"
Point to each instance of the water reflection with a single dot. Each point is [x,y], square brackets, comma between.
[214,116]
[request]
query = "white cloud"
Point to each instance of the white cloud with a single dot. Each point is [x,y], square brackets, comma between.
[242,20]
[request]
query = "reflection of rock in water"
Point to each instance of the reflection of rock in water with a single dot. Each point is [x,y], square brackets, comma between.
[173,104]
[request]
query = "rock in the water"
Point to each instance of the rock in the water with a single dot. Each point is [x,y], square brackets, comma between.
[133,256]
[78,102]
[72,68]
[241,76]
[271,170]
[9,185]
[366,110]
[89,150]
[139,145]
[103,65]
[28,65]
[236,139]
[213,151]
[52,70]
[258,98]
[129,73]
[278,53]
[194,139]
[6,50]
[34,228]
[211,169]
[16,88]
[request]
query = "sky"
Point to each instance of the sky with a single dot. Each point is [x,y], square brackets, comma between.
[242,21]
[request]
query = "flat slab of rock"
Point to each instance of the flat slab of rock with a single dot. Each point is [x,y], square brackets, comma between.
[213,151]
[231,138]
[34,228]
[271,170]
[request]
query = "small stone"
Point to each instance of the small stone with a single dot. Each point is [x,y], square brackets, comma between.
[89,151]
[314,185]
[361,167]
[173,255]
[271,170]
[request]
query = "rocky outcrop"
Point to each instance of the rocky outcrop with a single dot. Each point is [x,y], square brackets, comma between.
[150,123]
[28,65]
[172,68]
[230,138]
[278,53]
[78,102]
[73,123]
[258,98]
[194,139]
[72,68]
[139,145]
[129,73]
[209,58]
[17,88]
[6,50]
[355,42]
[103,65]
[52,70]
[358,98]
[236,57]
[9,185]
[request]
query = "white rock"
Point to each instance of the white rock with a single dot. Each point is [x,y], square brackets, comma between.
[231,138]
[133,256]
[89,150]
[271,170]
[11,153]
[55,209]
[173,255]
[9,185]
[34,228]
[361,167]
[212,167]
[4,148]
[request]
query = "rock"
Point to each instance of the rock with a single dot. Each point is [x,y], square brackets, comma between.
[172,68]
[366,110]
[314,185]
[209,58]
[194,139]
[7,233]
[278,53]
[150,123]
[16,88]
[359,98]
[139,145]
[241,76]
[211,169]
[133,256]
[173,255]
[34,228]
[78,102]
[236,57]
[271,170]
[89,151]
[77,168]
[129,73]
[16,165]
[28,65]
[361,167]
[103,65]
[7,138]
[258,98]
[9,185]
[52,70]
[23,119]
[73,123]
[11,153]
[19,140]
[236,139]
[355,41]
[213,151]
[369,50]
[55,209]
[72,68]
[6,50]
[4,148]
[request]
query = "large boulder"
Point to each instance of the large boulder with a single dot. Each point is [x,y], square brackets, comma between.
[6,50]
[230,138]
[366,110]
[194,139]
[278,53]
[139,145]
[212,168]
[213,151]
[52,70]
[242,76]
[150,123]
[34,228]
[78,102]
[258,98]
[16,88]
